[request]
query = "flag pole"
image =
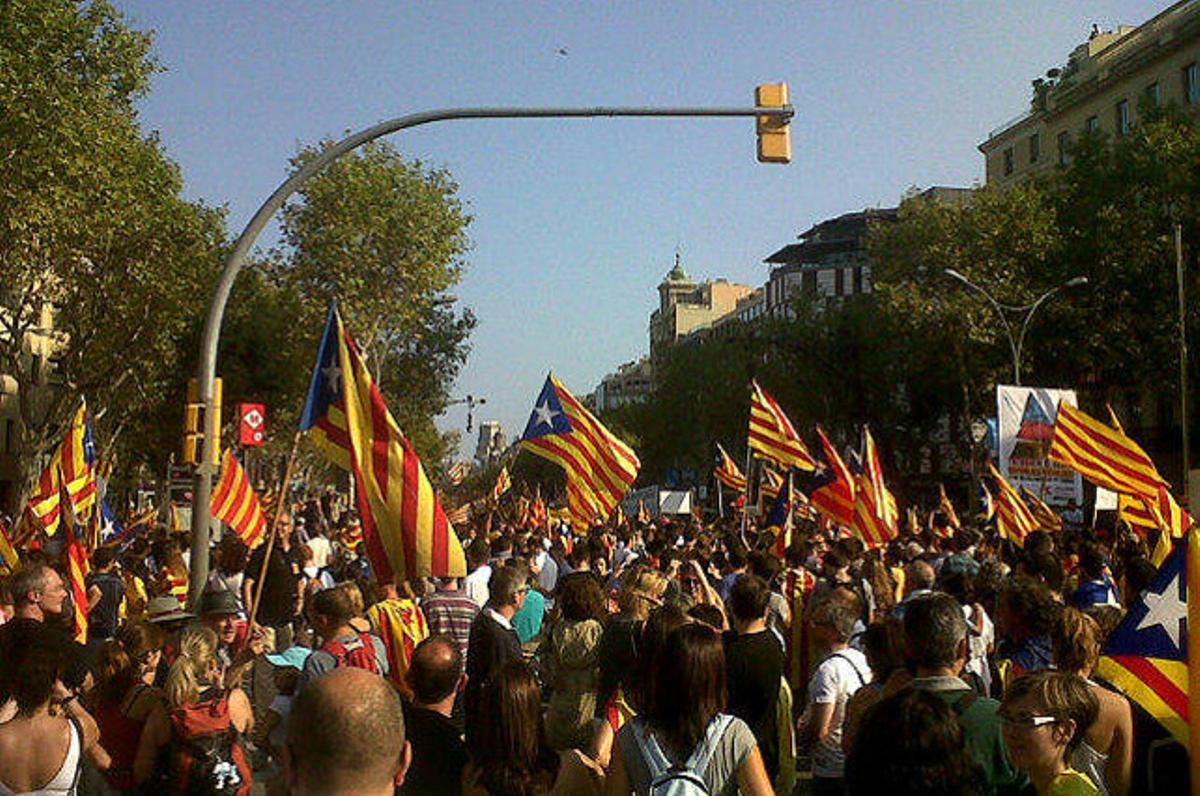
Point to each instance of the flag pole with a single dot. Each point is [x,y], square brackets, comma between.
[720,499]
[746,492]
[279,509]
[1192,565]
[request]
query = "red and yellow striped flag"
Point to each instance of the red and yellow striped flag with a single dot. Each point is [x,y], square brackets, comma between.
[947,509]
[1046,517]
[600,467]
[70,470]
[502,485]
[235,503]
[405,530]
[727,471]
[876,516]
[772,434]
[771,484]
[9,560]
[1102,454]
[1014,520]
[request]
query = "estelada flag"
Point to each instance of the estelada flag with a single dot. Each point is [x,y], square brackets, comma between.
[405,530]
[235,504]
[600,468]
[830,488]
[1146,655]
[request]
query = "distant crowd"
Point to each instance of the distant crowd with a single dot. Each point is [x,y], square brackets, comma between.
[661,657]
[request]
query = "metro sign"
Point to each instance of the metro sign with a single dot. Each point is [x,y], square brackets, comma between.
[252,424]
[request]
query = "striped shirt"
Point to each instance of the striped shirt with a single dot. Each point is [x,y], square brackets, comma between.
[450,611]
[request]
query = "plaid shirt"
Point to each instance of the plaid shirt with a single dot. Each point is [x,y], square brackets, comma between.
[451,611]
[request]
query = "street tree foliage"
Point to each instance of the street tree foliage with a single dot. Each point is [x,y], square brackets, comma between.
[386,237]
[96,240]
[918,358]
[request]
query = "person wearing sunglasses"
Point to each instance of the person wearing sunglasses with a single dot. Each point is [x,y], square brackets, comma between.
[1044,715]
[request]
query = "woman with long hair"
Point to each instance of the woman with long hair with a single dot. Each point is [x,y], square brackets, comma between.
[43,744]
[682,731]
[1106,752]
[510,756]
[569,657]
[202,729]
[125,697]
[912,743]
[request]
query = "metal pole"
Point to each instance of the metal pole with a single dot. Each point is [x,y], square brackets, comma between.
[1183,359]
[202,488]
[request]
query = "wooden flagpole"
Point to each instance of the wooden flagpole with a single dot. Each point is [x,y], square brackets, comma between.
[279,509]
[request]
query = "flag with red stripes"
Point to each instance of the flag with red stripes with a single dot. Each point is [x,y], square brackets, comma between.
[502,485]
[772,434]
[727,471]
[71,472]
[235,503]
[1104,455]
[404,528]
[1014,520]
[600,468]
[830,487]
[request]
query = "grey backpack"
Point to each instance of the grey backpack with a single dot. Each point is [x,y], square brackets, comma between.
[668,779]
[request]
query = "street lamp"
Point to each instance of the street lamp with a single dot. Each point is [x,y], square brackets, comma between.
[1016,342]
[471,401]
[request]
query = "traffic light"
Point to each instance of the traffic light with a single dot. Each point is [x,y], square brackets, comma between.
[774,137]
[193,431]
[191,423]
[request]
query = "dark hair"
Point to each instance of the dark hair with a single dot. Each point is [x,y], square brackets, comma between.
[510,750]
[689,685]
[119,661]
[883,643]
[435,669]
[662,621]
[581,597]
[934,627]
[1032,605]
[505,583]
[912,743]
[32,658]
[1139,574]
[335,604]
[708,614]
[1092,561]
[749,598]
[103,557]
[764,565]
[478,552]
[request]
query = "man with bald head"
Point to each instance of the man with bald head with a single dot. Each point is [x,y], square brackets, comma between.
[919,577]
[346,736]
[435,676]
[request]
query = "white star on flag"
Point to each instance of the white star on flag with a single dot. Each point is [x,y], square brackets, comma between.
[333,375]
[1166,610]
[545,414]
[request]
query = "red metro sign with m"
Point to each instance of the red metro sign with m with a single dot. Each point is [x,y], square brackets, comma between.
[252,424]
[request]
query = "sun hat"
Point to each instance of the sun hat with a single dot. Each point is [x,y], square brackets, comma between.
[161,610]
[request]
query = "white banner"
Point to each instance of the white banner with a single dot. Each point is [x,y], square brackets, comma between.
[1026,427]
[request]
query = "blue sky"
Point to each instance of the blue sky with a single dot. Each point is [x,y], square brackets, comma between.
[576,221]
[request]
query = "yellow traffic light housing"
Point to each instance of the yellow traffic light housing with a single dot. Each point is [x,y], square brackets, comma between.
[774,136]
[193,430]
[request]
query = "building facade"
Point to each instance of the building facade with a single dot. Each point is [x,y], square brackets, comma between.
[685,305]
[1106,84]
[631,383]
[491,443]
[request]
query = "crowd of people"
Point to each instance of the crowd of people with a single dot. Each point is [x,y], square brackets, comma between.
[669,656]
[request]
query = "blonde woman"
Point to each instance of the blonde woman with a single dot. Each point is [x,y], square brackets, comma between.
[1106,751]
[201,732]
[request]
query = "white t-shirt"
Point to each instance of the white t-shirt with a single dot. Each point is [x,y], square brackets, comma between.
[977,645]
[476,585]
[833,683]
[321,550]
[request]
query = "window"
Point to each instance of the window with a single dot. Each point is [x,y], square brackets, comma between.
[808,281]
[839,282]
[1035,148]
[1008,161]
[858,279]
[1191,84]
[1093,125]
[1123,122]
[1064,147]
[1152,94]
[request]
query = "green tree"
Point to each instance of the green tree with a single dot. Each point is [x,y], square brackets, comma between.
[386,237]
[96,239]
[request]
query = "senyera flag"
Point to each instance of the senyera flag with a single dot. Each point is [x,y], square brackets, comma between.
[772,435]
[405,530]
[600,468]
[727,471]
[235,503]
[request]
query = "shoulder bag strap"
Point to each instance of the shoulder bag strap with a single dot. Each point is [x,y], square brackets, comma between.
[652,754]
[861,680]
[698,762]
